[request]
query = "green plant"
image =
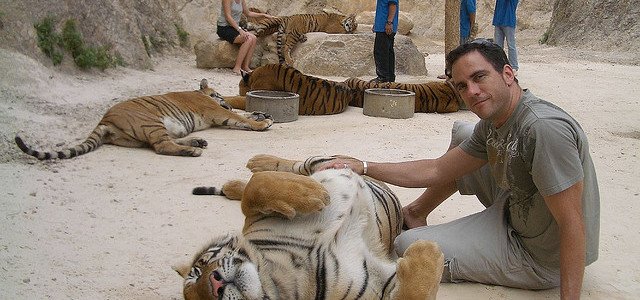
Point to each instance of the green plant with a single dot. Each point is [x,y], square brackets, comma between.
[85,57]
[49,40]
[72,39]
[545,37]
[183,36]
[145,41]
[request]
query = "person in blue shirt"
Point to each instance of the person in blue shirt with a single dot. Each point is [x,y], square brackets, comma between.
[504,20]
[467,20]
[385,27]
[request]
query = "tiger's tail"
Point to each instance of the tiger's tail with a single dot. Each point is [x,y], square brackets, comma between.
[233,190]
[95,140]
[208,190]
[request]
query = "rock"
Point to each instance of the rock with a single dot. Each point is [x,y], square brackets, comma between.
[351,55]
[365,21]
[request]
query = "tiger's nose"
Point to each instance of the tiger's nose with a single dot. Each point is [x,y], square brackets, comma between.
[217,283]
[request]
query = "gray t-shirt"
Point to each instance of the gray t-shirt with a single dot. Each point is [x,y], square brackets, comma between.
[236,13]
[539,151]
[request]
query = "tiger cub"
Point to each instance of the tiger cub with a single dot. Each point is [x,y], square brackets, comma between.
[433,96]
[324,236]
[291,29]
[161,122]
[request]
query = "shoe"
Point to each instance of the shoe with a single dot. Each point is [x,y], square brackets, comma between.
[376,80]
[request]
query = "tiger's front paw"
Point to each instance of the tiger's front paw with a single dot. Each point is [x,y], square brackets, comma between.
[420,271]
[264,162]
[259,116]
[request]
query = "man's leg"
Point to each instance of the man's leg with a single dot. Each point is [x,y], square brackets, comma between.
[510,34]
[379,55]
[391,59]
[498,36]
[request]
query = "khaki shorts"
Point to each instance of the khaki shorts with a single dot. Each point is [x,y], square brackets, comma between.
[482,247]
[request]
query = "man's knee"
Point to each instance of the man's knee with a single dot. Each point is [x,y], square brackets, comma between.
[461,130]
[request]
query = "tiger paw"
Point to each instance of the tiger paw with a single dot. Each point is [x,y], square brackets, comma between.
[263,162]
[259,116]
[283,193]
[193,142]
[420,271]
[198,142]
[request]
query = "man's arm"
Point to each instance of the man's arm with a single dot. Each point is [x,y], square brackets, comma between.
[566,208]
[388,27]
[418,173]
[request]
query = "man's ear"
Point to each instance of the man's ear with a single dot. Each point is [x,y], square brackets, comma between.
[508,74]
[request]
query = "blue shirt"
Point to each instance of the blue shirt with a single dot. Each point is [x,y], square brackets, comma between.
[467,7]
[505,13]
[382,11]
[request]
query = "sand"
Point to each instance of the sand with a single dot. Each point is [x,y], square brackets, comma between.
[111,223]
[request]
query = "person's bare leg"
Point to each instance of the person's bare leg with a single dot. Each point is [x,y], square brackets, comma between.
[415,213]
[246,63]
[242,53]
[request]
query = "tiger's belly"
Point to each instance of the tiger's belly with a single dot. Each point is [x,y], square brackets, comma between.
[177,128]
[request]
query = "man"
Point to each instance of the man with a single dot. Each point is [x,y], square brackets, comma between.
[504,20]
[468,27]
[385,27]
[528,163]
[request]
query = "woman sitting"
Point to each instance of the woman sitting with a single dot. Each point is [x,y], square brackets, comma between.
[230,31]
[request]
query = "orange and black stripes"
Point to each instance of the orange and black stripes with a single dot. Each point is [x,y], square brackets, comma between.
[317,96]
[433,96]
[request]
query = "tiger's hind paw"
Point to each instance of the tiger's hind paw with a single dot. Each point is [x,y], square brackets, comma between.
[193,142]
[420,271]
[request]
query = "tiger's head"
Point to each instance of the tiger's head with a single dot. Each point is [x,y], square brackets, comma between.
[222,270]
[205,89]
[350,24]
[338,23]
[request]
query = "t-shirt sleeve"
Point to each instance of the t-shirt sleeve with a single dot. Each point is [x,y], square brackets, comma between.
[475,145]
[556,163]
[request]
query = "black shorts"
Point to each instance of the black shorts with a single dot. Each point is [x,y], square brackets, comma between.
[227,33]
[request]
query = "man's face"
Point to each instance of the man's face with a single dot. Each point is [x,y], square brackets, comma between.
[485,91]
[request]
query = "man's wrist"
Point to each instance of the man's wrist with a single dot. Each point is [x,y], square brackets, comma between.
[389,22]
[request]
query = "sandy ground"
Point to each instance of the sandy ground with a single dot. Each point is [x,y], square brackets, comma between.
[110,224]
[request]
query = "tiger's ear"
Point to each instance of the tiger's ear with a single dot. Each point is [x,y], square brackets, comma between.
[245,76]
[183,270]
[204,84]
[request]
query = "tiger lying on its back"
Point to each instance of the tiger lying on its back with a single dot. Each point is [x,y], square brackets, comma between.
[160,122]
[434,96]
[326,236]
[291,29]
[317,96]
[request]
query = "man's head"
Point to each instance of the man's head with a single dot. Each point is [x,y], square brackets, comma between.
[481,73]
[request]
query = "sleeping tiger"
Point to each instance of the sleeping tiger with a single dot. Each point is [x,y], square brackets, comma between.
[321,97]
[291,29]
[317,96]
[433,96]
[160,122]
[324,236]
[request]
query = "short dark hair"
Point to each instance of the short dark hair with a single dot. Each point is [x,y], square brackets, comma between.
[487,48]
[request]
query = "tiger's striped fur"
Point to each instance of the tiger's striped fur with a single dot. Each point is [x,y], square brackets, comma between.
[323,236]
[317,96]
[434,96]
[291,29]
[161,122]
